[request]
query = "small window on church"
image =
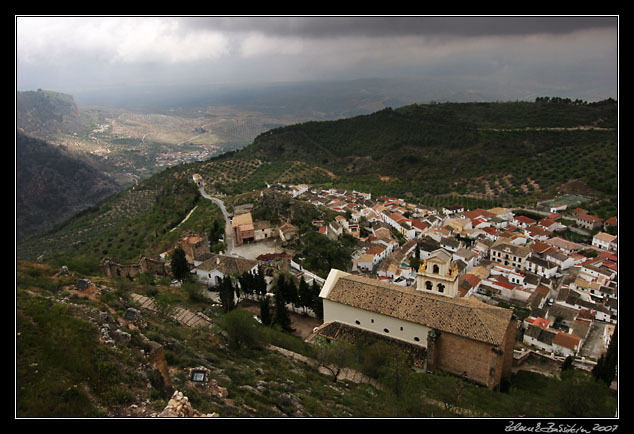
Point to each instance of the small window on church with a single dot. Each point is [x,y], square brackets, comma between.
[358,322]
[401,328]
[386,330]
[416,338]
[372,321]
[436,269]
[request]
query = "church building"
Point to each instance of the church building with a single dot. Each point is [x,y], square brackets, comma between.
[462,336]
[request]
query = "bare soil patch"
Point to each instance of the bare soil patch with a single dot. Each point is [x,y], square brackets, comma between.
[303,324]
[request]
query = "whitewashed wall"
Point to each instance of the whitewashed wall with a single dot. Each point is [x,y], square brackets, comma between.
[376,323]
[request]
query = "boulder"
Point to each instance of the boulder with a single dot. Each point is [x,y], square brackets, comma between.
[179,406]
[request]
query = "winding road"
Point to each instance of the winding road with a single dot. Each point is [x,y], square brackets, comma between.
[221,204]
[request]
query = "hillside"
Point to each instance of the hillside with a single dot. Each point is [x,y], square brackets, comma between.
[85,347]
[52,184]
[44,112]
[497,153]
[433,148]
[78,353]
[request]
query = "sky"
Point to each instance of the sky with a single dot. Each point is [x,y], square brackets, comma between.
[577,55]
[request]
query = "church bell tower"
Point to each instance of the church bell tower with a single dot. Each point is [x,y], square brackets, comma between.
[438,274]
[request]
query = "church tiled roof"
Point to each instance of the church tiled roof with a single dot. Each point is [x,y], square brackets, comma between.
[467,317]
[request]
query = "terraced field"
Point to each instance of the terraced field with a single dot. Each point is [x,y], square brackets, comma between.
[241,175]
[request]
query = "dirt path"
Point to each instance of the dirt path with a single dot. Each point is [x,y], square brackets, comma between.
[185,219]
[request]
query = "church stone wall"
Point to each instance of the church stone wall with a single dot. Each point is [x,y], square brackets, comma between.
[465,357]
[477,361]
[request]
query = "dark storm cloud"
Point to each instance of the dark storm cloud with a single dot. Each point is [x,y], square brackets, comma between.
[373,26]
[578,54]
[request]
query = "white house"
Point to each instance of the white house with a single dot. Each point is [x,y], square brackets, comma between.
[605,241]
[297,190]
[565,344]
[558,208]
[213,270]
[541,267]
[467,256]
[540,338]
[366,262]
[562,260]
[502,213]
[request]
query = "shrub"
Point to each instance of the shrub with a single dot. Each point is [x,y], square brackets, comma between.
[243,330]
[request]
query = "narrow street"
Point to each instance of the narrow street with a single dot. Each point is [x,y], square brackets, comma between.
[221,204]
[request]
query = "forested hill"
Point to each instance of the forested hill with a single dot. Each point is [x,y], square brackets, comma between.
[442,143]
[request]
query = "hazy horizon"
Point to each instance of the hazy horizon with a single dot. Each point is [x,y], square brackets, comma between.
[494,57]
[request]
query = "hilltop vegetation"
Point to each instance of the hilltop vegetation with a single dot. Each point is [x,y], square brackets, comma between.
[436,149]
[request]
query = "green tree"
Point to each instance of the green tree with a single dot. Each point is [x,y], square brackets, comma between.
[605,369]
[194,292]
[146,278]
[164,305]
[395,373]
[414,261]
[247,283]
[265,311]
[281,316]
[180,266]
[304,294]
[334,356]
[581,395]
[291,294]
[260,282]
[567,364]
[227,294]
[243,330]
[317,305]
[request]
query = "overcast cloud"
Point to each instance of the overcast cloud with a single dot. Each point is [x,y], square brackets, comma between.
[73,53]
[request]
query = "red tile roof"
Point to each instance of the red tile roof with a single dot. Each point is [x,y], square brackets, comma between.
[567,340]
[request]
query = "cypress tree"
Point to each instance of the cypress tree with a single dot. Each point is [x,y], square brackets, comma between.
[605,369]
[317,304]
[281,317]
[304,294]
[180,266]
[265,311]
[260,282]
[567,364]
[227,294]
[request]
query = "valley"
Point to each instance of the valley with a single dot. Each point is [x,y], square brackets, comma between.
[130,145]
